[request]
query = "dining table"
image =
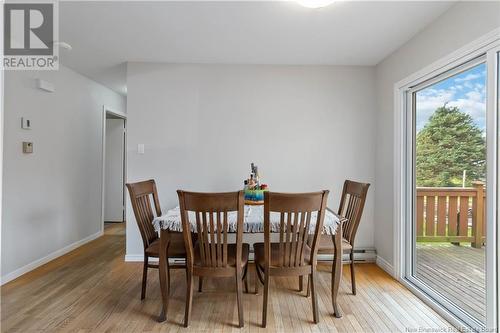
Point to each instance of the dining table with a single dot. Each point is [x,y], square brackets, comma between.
[253,223]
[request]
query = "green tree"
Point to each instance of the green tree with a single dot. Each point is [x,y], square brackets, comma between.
[447,145]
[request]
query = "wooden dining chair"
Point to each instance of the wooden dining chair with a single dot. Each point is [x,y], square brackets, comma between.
[142,194]
[293,255]
[212,255]
[351,207]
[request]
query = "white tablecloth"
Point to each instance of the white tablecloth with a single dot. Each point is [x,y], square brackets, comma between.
[253,221]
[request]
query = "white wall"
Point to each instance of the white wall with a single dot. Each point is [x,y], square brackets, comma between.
[51,198]
[113,191]
[463,23]
[306,127]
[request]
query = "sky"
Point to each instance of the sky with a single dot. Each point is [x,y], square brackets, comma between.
[466,90]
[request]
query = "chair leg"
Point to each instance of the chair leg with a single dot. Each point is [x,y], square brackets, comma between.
[189,298]
[168,277]
[200,284]
[301,283]
[308,293]
[164,275]
[266,296]
[353,278]
[144,277]
[245,278]
[258,278]
[238,300]
[312,278]
[336,274]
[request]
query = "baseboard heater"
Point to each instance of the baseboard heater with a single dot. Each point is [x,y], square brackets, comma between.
[360,256]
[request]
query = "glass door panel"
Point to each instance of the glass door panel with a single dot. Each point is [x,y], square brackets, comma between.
[449,202]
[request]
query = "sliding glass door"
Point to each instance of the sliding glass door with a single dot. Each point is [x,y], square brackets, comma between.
[449,135]
[450,188]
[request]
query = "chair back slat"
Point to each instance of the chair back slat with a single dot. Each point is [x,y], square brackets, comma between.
[212,226]
[295,235]
[204,245]
[213,250]
[224,244]
[141,195]
[219,239]
[287,239]
[351,207]
[295,217]
[302,238]
[281,246]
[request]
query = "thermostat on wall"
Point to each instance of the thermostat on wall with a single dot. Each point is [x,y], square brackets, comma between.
[45,85]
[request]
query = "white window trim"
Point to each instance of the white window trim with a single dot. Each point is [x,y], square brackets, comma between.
[487,44]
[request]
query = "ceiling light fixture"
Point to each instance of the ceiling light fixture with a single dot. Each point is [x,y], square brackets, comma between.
[62,45]
[315,3]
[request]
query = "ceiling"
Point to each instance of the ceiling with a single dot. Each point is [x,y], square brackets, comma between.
[106,35]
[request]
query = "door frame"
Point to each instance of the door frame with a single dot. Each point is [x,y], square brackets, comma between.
[486,45]
[493,196]
[106,110]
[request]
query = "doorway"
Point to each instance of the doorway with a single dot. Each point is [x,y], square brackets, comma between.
[449,138]
[449,241]
[113,178]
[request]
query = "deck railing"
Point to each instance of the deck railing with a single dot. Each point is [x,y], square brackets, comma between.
[451,214]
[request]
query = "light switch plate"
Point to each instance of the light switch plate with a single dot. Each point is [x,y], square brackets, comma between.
[25,123]
[140,148]
[27,147]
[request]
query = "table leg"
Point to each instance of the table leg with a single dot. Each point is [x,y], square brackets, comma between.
[337,271]
[162,265]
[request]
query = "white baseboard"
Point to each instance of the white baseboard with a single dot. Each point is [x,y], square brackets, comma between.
[384,264]
[368,256]
[37,263]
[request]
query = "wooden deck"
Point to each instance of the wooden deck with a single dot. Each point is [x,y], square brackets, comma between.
[457,272]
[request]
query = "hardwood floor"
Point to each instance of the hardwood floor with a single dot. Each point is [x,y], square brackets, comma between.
[93,290]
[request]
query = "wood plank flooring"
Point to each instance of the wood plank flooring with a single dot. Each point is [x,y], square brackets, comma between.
[92,289]
[457,272]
